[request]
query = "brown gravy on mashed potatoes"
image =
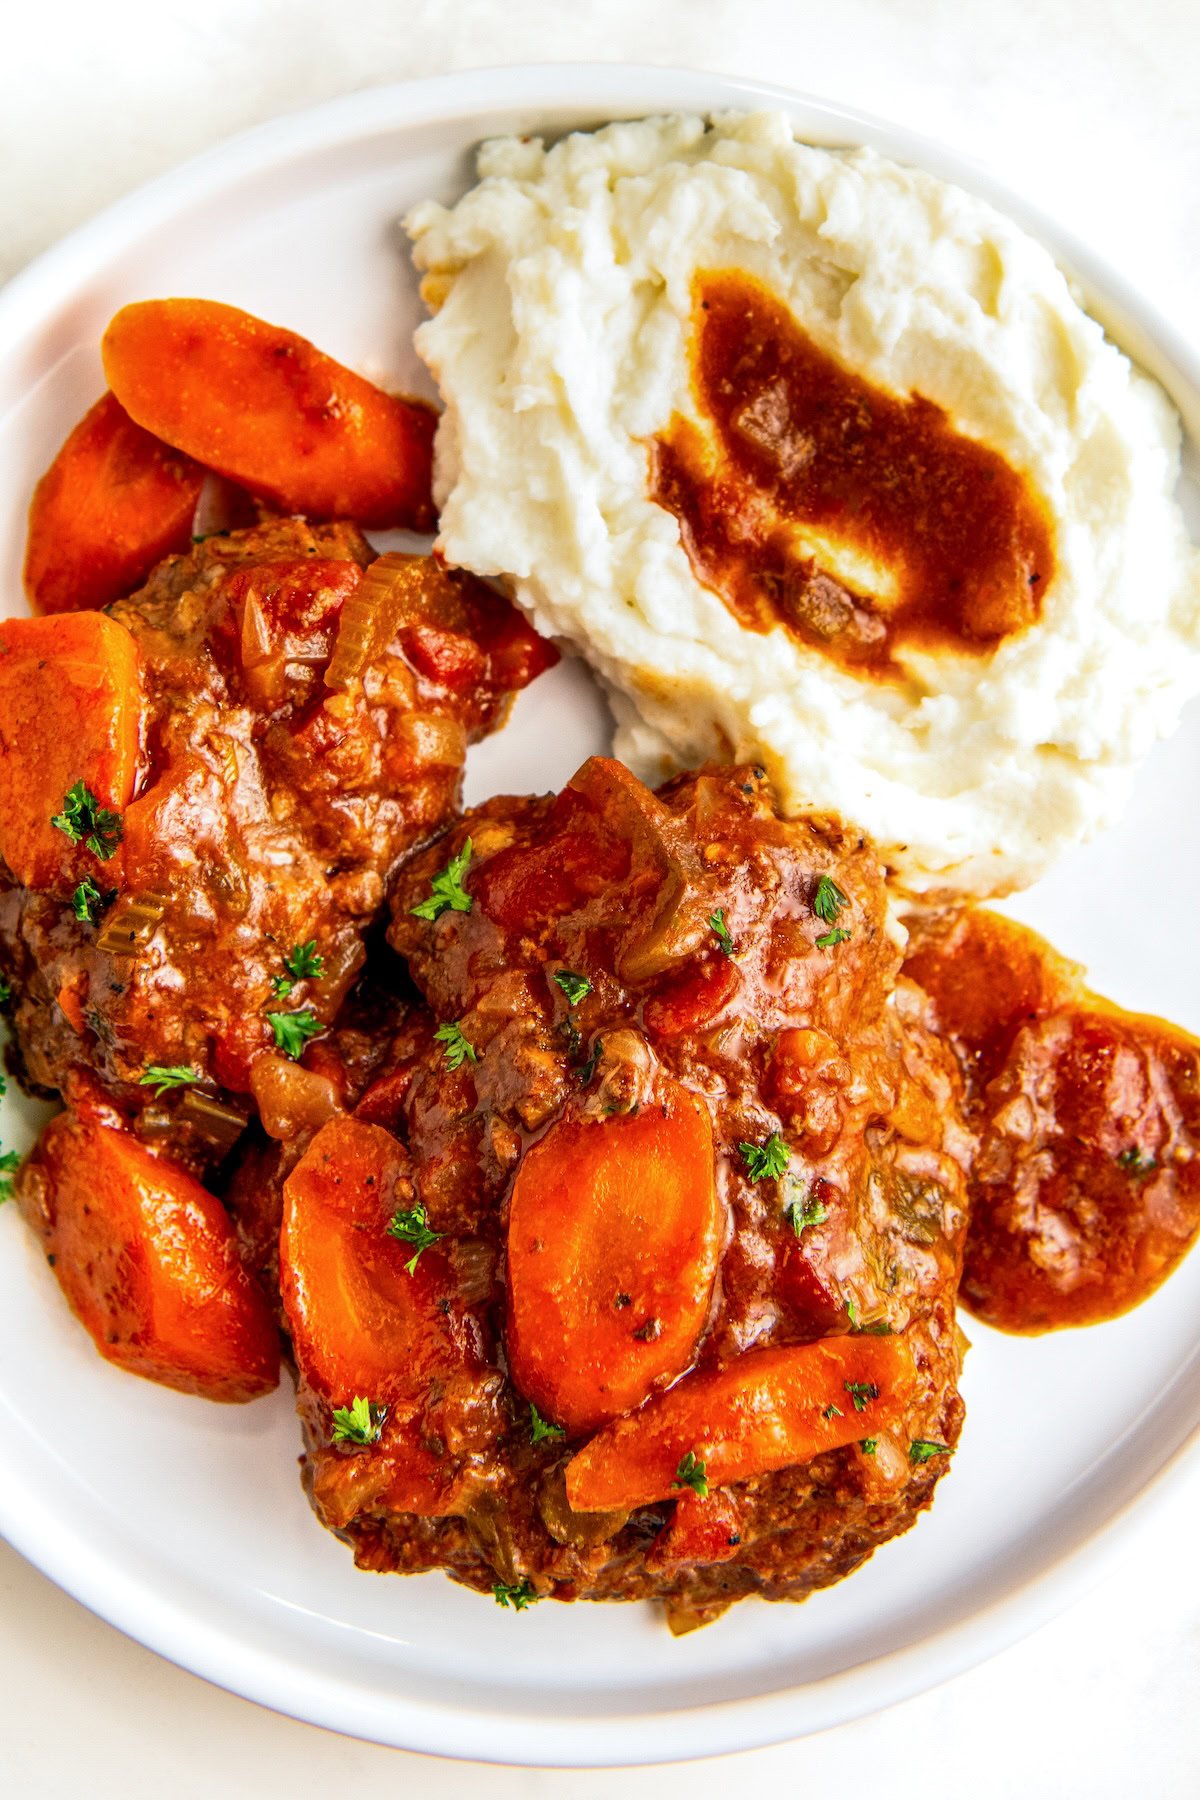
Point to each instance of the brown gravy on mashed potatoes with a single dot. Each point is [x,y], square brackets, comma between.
[814,499]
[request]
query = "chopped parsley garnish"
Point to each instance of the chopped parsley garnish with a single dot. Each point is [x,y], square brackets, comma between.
[5,991]
[828,939]
[588,1068]
[803,1213]
[921,1449]
[852,1314]
[540,1429]
[293,1030]
[446,889]
[518,1594]
[410,1225]
[160,1077]
[85,821]
[86,900]
[10,1162]
[1136,1163]
[692,1473]
[831,1411]
[575,987]
[868,1446]
[281,986]
[359,1423]
[828,900]
[458,1049]
[860,1392]
[765,1162]
[302,964]
[721,931]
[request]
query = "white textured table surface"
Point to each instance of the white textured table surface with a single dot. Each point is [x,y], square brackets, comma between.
[1091,107]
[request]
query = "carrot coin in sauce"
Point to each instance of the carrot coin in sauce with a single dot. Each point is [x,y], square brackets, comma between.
[859,520]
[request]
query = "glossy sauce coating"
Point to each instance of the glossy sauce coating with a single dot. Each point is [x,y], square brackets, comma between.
[797,452]
[259,809]
[1085,1189]
[573,1159]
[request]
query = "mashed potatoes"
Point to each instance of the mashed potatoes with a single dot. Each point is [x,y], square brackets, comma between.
[563,289]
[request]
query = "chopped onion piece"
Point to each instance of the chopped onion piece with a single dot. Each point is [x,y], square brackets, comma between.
[433,739]
[291,1099]
[130,923]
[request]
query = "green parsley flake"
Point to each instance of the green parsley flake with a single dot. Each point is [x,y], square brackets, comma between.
[868,1446]
[85,821]
[860,1392]
[721,931]
[766,1162]
[831,1411]
[518,1595]
[10,1162]
[293,1030]
[458,1049]
[410,1225]
[5,992]
[540,1429]
[303,962]
[161,1077]
[921,1449]
[575,987]
[447,892]
[828,939]
[803,1213]
[587,1069]
[85,901]
[360,1423]
[281,986]
[692,1473]
[828,900]
[1137,1163]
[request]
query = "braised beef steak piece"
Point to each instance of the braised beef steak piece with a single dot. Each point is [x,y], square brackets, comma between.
[679,1175]
[305,710]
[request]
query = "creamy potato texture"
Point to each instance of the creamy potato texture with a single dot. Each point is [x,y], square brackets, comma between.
[563,287]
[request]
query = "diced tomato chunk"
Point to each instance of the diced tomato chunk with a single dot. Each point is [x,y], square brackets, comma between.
[692,1001]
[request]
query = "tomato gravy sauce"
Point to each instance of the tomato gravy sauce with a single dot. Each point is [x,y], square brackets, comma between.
[795,448]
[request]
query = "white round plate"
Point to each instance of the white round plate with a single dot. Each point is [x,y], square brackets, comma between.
[184,1523]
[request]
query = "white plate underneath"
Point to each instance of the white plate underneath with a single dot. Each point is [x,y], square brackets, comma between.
[184,1523]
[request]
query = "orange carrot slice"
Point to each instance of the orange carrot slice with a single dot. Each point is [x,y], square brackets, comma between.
[362,1322]
[114,501]
[70,710]
[613,1239]
[265,408]
[147,1259]
[768,1410]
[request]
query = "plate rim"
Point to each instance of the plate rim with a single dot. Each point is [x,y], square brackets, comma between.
[54,1544]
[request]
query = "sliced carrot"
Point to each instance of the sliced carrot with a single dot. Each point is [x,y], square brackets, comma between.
[361,1321]
[613,1239]
[70,710]
[767,1410]
[114,501]
[265,408]
[148,1260]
